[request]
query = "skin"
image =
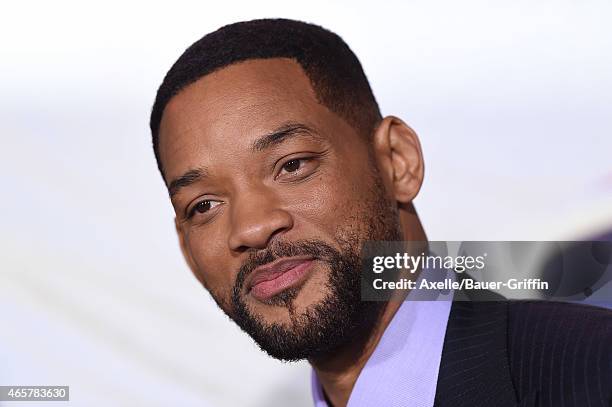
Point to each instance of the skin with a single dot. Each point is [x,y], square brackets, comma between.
[307,186]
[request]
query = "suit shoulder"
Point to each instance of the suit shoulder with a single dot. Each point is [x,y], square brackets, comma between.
[579,326]
[560,350]
[537,315]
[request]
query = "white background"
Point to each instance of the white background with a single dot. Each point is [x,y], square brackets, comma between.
[512,101]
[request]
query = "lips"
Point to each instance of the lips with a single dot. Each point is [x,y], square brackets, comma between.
[273,278]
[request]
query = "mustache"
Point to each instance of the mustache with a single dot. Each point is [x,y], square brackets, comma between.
[312,247]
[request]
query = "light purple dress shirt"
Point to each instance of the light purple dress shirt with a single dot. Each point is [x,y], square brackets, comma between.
[403,369]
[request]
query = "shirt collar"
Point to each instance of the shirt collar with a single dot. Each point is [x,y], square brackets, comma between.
[403,369]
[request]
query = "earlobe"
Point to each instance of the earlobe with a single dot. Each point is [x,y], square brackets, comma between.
[399,154]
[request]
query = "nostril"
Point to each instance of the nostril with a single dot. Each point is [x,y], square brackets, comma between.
[257,228]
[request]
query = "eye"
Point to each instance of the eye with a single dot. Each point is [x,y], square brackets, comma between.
[297,169]
[293,165]
[203,207]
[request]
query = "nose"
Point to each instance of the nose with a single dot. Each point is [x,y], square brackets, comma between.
[256,219]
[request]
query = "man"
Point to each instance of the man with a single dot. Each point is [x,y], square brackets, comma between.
[280,166]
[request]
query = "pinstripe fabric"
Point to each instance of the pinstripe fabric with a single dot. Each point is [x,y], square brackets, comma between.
[527,354]
[561,352]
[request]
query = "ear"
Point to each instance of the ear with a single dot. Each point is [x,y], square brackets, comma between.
[398,152]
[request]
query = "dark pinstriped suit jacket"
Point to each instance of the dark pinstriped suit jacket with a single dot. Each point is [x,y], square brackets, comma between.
[526,354]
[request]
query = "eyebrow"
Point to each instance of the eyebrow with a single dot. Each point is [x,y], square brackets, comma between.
[188,178]
[282,134]
[276,137]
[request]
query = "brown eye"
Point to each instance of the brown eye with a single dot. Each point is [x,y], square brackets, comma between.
[292,166]
[202,206]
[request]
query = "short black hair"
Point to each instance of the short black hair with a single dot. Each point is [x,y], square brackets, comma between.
[333,69]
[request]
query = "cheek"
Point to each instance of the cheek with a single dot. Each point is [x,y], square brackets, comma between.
[334,202]
[211,269]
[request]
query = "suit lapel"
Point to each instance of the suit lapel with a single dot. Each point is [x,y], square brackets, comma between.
[474,370]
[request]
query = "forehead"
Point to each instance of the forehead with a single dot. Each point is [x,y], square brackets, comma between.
[230,107]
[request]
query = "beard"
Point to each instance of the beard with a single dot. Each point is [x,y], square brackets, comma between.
[341,317]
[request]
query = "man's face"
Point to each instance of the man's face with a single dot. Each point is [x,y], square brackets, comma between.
[274,195]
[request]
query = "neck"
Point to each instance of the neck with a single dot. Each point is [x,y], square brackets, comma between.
[338,374]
